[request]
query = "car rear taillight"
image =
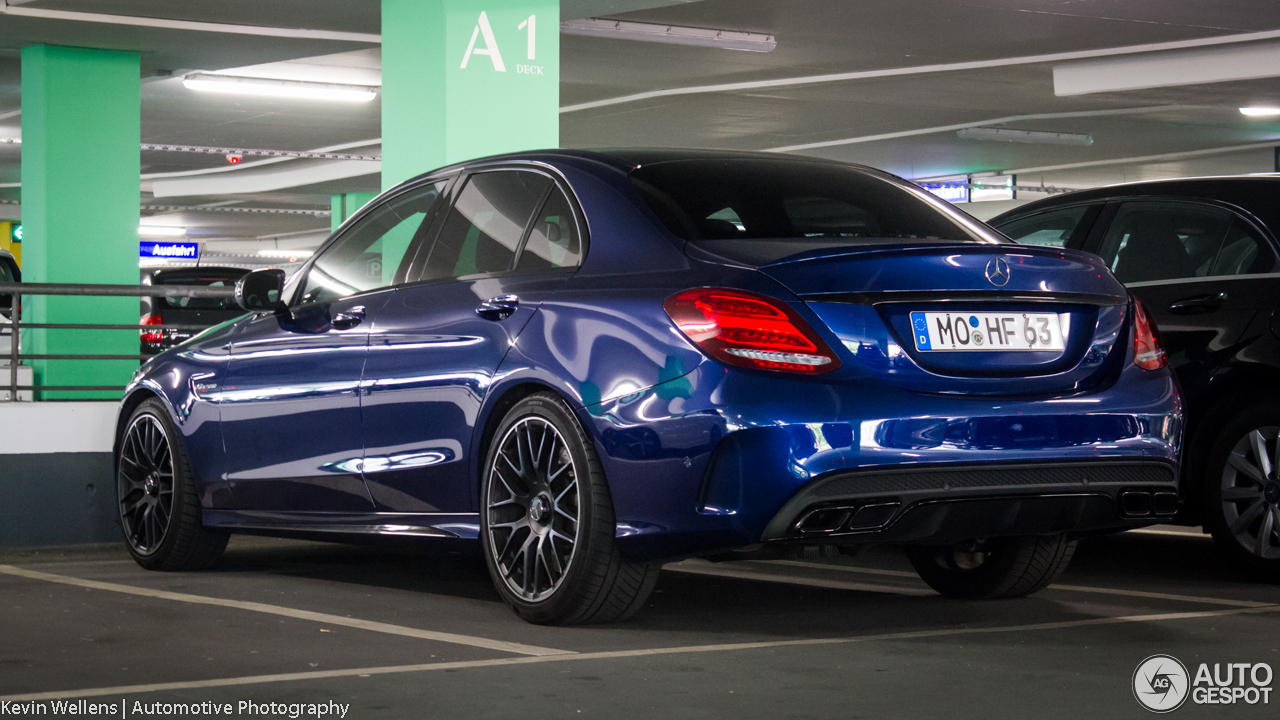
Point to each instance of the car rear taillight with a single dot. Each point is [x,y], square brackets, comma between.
[748,330]
[1148,351]
[153,337]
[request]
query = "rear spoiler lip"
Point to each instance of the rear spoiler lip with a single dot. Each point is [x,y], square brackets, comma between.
[965,296]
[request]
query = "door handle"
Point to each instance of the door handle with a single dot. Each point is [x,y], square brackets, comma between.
[349,319]
[498,308]
[1200,304]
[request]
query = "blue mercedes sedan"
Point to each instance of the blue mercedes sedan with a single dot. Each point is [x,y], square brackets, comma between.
[593,362]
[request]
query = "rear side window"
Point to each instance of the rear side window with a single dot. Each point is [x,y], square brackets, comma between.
[553,240]
[373,252]
[1154,241]
[485,226]
[1053,228]
[753,199]
[1243,252]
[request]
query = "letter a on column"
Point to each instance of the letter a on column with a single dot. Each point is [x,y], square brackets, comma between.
[490,45]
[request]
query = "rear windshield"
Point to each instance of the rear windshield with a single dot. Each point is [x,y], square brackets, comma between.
[208,279]
[751,199]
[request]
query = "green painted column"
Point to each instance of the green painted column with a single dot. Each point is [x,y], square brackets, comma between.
[80,195]
[336,212]
[343,206]
[466,78]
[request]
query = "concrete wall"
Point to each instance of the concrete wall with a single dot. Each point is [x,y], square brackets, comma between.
[56,473]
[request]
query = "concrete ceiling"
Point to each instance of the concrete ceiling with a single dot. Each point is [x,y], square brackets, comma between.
[905,124]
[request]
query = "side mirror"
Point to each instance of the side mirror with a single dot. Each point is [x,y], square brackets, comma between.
[261,290]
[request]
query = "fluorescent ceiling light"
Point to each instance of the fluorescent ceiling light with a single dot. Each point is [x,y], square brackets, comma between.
[1260,111]
[278,88]
[285,253]
[161,231]
[1025,136]
[673,34]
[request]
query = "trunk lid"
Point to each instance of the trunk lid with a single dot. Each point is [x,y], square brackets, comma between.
[873,299]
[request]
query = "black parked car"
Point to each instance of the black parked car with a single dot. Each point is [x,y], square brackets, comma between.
[1202,255]
[186,311]
[9,273]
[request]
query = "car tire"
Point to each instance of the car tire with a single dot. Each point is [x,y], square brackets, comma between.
[156,498]
[999,568]
[1241,492]
[547,522]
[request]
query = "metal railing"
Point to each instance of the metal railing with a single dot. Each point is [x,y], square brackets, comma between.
[14,325]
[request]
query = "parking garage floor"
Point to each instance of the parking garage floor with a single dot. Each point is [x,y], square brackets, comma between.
[399,633]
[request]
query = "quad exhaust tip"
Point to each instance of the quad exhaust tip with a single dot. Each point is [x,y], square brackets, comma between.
[850,518]
[1142,503]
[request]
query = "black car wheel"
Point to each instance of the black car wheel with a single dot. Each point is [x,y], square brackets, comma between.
[996,568]
[1242,492]
[548,524]
[159,507]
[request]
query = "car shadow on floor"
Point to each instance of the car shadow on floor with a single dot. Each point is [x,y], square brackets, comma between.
[731,609]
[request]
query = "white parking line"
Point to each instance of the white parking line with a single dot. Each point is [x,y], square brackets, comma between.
[702,567]
[1188,533]
[478,642]
[126,690]
[1055,586]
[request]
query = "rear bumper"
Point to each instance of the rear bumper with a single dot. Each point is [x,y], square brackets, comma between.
[951,503]
[720,459]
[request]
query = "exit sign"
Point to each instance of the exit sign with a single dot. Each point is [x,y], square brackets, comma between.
[182,250]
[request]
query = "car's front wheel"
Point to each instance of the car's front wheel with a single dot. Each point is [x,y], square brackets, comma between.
[548,524]
[157,498]
[1242,492]
[995,568]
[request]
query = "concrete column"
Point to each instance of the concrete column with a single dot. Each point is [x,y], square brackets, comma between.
[345,205]
[80,196]
[466,78]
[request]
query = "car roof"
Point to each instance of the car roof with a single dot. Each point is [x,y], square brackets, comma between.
[1238,189]
[627,159]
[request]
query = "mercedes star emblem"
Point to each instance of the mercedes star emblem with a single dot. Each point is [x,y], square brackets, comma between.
[998,272]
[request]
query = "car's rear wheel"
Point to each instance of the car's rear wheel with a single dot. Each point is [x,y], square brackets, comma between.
[995,568]
[548,525]
[1242,492]
[158,503]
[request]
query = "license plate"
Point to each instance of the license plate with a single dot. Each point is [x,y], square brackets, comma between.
[989,332]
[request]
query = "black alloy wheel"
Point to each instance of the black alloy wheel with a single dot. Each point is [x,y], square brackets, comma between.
[145,484]
[548,524]
[533,508]
[1242,492]
[157,499]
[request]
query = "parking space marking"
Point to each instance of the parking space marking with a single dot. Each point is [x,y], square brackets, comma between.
[1174,533]
[126,690]
[478,642]
[702,567]
[1068,588]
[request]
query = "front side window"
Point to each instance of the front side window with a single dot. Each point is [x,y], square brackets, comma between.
[553,241]
[485,226]
[1051,229]
[373,253]
[1153,241]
